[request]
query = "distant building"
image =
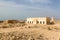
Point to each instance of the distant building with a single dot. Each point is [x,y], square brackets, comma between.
[40,20]
[52,21]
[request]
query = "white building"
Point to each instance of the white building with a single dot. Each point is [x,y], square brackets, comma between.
[42,20]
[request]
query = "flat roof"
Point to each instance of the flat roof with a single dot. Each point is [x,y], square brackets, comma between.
[37,17]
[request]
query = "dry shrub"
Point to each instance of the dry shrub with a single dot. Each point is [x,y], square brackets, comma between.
[20,36]
[41,37]
[4,26]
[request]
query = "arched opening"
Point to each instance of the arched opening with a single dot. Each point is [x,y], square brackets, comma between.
[40,22]
[43,22]
[30,21]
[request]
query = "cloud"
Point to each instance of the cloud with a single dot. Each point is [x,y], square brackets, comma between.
[26,8]
[14,3]
[6,3]
[40,1]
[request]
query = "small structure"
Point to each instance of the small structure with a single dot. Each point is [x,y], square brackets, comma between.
[42,20]
[1,21]
[11,21]
[52,21]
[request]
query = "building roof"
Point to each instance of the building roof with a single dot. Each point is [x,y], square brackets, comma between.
[37,17]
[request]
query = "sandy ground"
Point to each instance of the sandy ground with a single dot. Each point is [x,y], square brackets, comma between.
[50,34]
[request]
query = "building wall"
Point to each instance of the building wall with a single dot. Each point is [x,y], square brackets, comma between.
[43,20]
[48,20]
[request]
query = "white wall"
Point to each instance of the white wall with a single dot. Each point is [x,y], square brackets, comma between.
[34,20]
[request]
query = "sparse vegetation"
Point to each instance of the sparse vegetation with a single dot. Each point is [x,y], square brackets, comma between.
[22,31]
[19,36]
[49,28]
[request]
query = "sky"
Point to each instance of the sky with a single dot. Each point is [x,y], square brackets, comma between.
[22,9]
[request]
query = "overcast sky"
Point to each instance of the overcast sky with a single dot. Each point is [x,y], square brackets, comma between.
[21,9]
